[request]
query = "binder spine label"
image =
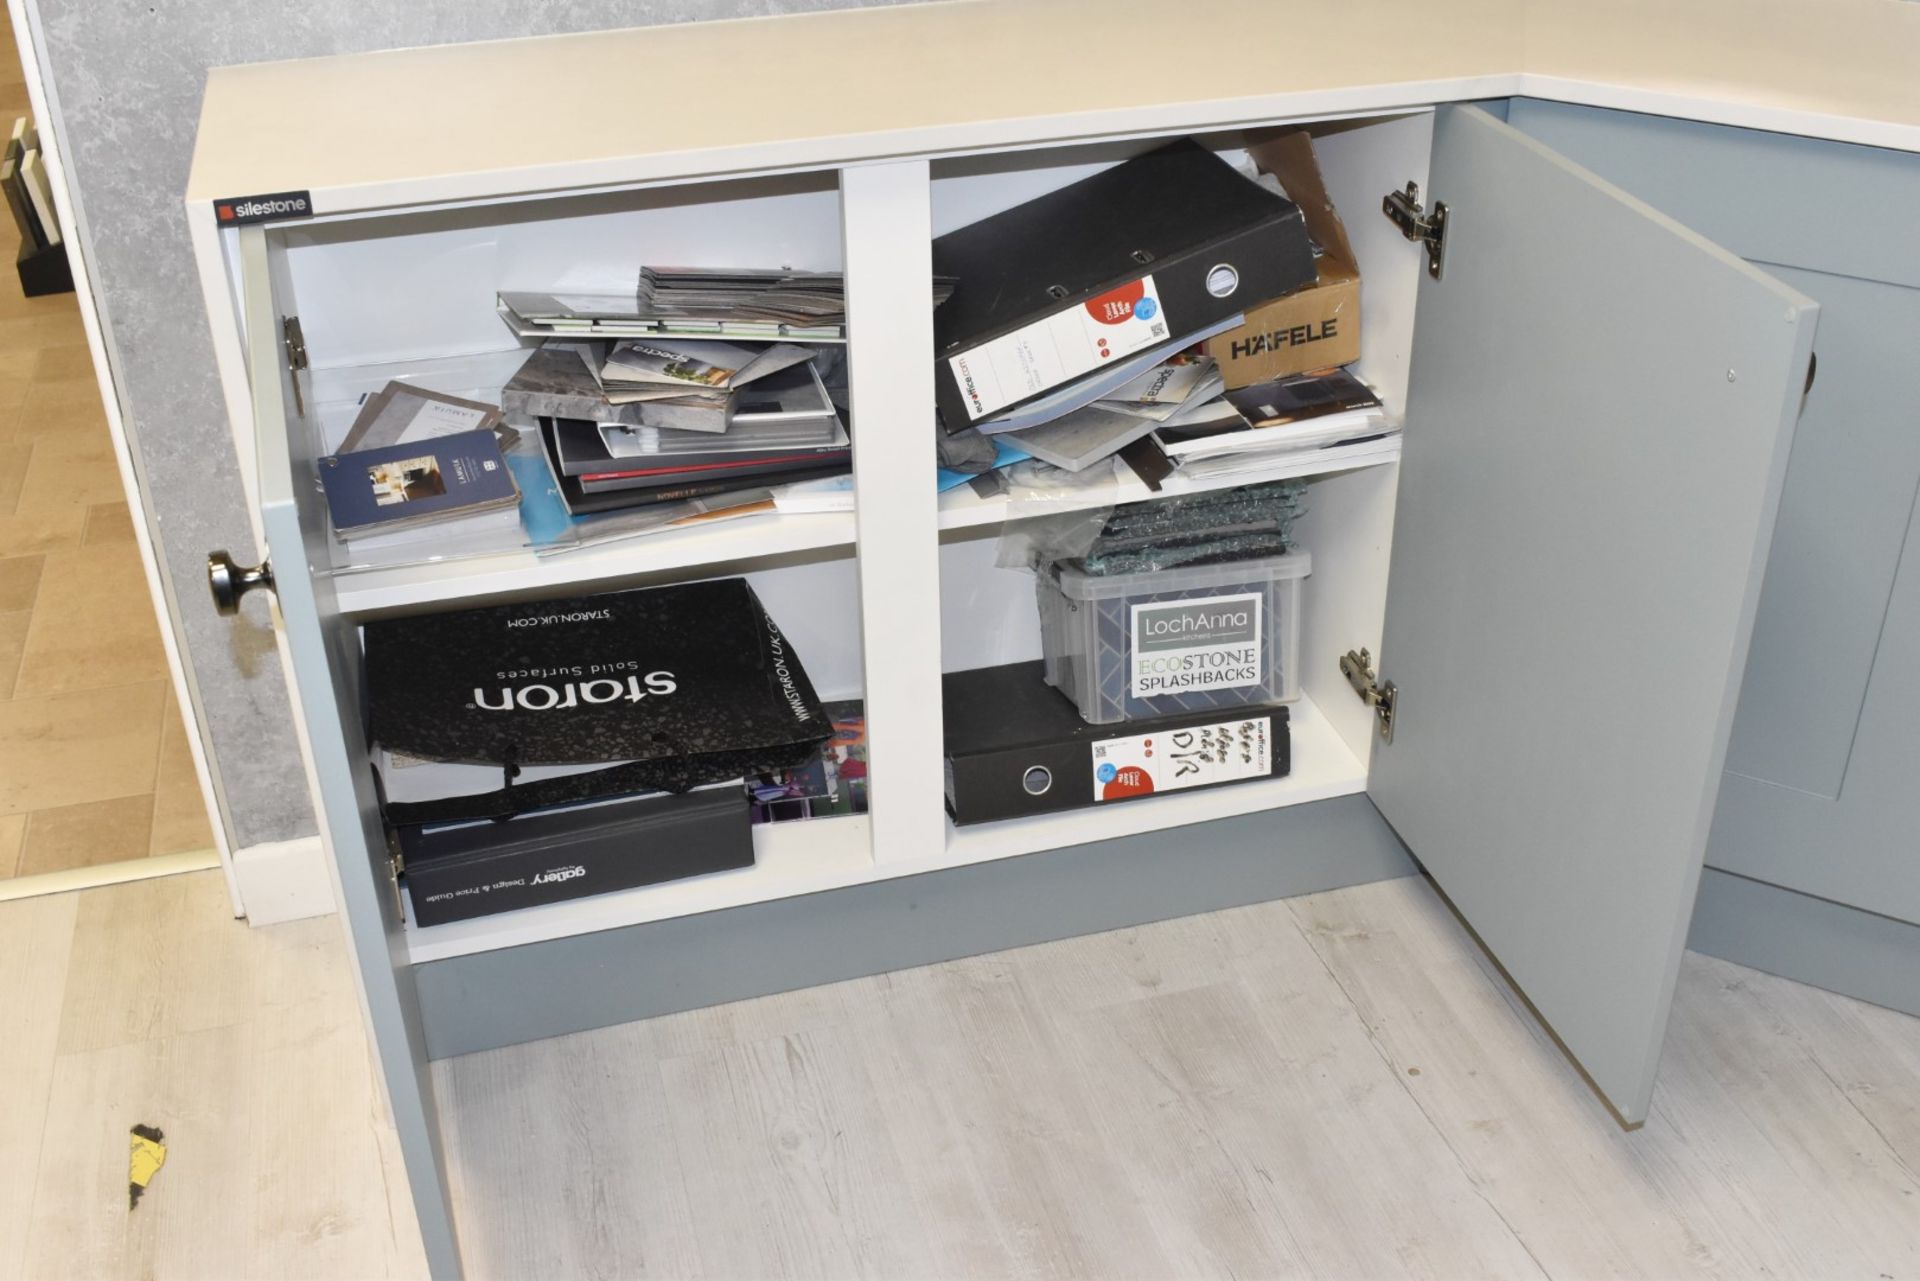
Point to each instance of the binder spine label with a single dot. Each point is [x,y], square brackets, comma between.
[1173,760]
[1071,342]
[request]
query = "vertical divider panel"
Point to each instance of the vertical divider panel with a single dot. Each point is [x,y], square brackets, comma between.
[886,226]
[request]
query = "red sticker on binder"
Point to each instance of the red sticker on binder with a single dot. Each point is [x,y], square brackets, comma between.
[1115,307]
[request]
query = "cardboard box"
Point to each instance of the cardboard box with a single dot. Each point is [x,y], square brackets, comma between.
[1313,328]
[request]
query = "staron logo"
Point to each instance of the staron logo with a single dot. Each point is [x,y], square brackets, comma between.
[541,697]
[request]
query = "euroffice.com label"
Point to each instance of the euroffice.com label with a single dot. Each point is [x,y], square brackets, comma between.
[1187,646]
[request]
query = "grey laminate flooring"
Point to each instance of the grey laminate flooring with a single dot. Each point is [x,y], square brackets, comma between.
[1334,1086]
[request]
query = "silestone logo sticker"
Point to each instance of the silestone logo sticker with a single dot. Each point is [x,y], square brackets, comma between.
[277,206]
[1185,646]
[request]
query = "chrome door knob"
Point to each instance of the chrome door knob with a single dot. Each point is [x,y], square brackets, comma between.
[229,582]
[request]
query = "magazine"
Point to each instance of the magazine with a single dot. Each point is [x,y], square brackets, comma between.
[402,413]
[833,785]
[696,366]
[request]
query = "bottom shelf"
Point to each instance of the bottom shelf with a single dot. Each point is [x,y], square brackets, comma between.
[791,859]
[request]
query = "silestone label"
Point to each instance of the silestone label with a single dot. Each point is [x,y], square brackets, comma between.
[1185,646]
[273,206]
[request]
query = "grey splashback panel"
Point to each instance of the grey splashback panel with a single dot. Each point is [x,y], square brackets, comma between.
[127,78]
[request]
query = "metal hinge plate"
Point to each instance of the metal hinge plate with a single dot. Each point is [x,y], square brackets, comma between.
[1417,223]
[1357,667]
[294,343]
[396,866]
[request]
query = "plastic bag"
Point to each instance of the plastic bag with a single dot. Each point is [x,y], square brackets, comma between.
[1186,529]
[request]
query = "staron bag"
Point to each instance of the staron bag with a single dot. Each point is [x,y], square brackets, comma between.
[667,688]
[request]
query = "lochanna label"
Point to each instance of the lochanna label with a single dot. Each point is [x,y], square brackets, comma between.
[1172,760]
[1187,646]
[274,206]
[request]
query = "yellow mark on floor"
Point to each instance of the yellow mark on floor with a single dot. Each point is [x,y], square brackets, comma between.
[147,1152]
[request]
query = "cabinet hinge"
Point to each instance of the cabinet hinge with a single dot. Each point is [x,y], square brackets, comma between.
[396,864]
[1417,223]
[1357,667]
[296,342]
[295,345]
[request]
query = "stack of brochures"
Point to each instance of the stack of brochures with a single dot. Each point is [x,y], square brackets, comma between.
[1177,417]
[707,426]
[1085,337]
[1318,410]
[809,306]
[832,784]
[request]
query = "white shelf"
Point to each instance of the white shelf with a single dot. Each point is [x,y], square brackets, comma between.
[728,544]
[961,508]
[792,859]
[740,543]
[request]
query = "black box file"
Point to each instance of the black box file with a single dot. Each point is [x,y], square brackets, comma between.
[1016,746]
[477,869]
[1155,248]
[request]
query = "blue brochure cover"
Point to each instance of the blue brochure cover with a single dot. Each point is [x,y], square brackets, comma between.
[372,489]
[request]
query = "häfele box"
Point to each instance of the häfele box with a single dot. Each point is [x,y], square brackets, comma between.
[1312,328]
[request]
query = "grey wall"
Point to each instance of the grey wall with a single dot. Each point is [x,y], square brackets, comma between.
[127,77]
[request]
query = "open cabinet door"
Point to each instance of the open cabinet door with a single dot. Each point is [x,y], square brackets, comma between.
[1598,420]
[324,659]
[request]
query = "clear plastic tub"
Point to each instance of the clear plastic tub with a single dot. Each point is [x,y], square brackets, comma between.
[1130,645]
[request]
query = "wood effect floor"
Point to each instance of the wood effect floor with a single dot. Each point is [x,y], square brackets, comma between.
[94,764]
[1335,1086]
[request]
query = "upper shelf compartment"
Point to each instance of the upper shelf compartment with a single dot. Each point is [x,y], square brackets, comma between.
[433,321]
[413,297]
[439,271]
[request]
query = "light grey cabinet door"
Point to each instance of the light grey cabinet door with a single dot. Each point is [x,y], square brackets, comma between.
[1819,793]
[324,650]
[1599,414]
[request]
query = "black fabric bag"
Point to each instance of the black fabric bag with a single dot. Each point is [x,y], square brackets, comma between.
[671,687]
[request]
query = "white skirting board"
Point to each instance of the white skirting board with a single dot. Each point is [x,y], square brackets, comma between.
[284,881]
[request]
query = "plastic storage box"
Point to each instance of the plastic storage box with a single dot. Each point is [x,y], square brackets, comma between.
[1123,646]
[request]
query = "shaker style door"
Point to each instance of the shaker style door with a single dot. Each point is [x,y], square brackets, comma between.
[1599,414]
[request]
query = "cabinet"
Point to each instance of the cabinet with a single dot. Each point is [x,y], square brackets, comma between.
[1557,565]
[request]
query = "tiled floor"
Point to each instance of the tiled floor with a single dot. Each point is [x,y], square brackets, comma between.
[94,766]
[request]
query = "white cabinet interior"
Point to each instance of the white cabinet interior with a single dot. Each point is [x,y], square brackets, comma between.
[433,319]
